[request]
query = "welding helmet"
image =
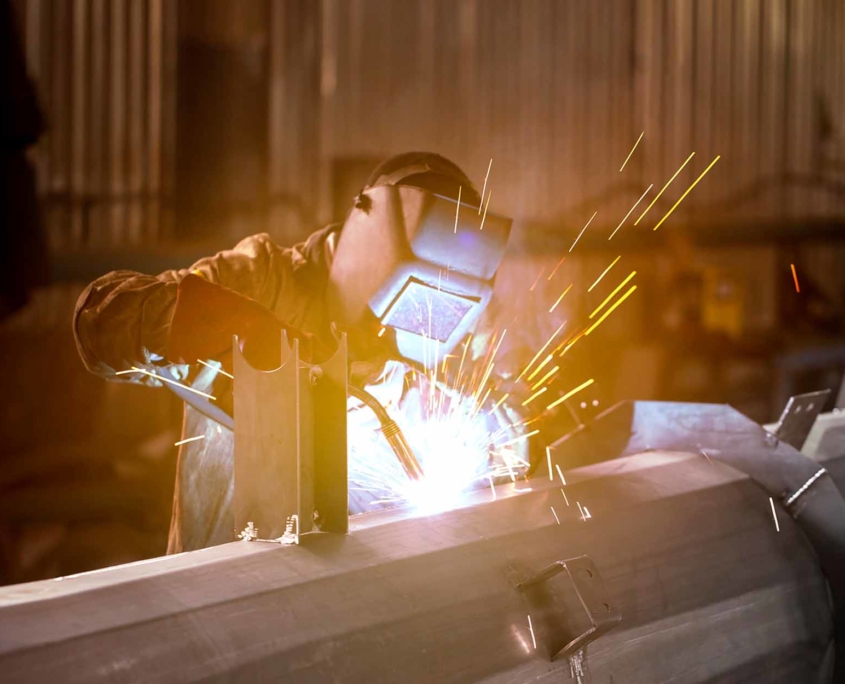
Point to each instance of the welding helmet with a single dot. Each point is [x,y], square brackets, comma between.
[414,267]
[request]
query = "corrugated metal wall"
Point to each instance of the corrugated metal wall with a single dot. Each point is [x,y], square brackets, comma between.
[105,71]
[557,92]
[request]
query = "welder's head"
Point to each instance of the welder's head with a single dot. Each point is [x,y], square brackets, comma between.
[414,267]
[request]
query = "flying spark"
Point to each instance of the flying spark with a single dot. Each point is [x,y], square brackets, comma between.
[500,402]
[163,379]
[189,439]
[534,396]
[704,453]
[795,278]
[487,204]
[630,211]
[570,393]
[542,349]
[492,486]
[215,368]
[564,497]
[458,209]
[533,640]
[668,183]
[604,273]
[613,294]
[519,439]
[611,309]
[484,189]
[380,332]
[554,306]
[583,517]
[587,512]
[560,474]
[582,231]
[681,198]
[540,367]
[555,515]
[632,151]
[774,514]
[539,275]
[545,377]
[549,461]
[554,270]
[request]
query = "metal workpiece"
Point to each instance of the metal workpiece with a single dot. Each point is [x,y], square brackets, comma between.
[686,549]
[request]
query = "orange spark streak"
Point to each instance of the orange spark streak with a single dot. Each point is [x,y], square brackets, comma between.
[554,270]
[546,377]
[582,231]
[570,393]
[610,310]
[681,199]
[604,273]
[539,275]
[554,306]
[795,278]
[668,183]
[630,211]
[632,151]
[542,349]
[613,294]
[458,209]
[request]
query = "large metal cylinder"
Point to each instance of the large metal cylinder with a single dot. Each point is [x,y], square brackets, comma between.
[708,588]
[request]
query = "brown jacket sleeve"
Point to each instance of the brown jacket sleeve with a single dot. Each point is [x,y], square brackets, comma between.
[123,318]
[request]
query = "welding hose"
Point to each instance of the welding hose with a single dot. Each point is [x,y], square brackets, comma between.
[391,432]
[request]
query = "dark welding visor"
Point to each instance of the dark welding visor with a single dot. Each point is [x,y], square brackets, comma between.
[403,264]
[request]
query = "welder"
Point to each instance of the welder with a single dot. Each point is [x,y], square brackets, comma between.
[181,323]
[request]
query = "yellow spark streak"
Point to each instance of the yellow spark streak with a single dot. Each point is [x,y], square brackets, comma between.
[485,209]
[189,439]
[542,349]
[554,270]
[613,294]
[774,514]
[532,633]
[668,183]
[560,473]
[570,393]
[381,332]
[484,189]
[445,361]
[492,487]
[540,367]
[549,461]
[534,396]
[163,379]
[546,376]
[669,213]
[611,309]
[582,231]
[570,344]
[219,370]
[486,394]
[604,273]
[564,497]
[504,332]
[518,439]
[499,403]
[458,209]
[632,151]
[554,306]
[630,211]
[555,515]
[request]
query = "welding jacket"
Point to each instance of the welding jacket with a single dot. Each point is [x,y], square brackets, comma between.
[123,319]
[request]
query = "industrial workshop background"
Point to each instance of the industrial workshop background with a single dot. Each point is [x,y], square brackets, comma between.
[176,128]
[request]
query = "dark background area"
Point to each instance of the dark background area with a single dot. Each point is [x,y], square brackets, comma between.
[176,128]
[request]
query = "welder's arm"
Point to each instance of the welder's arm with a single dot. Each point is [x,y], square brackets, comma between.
[126,318]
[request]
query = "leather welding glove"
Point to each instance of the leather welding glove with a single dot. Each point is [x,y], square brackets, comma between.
[206,317]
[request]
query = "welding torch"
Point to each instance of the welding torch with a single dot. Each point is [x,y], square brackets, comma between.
[391,432]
